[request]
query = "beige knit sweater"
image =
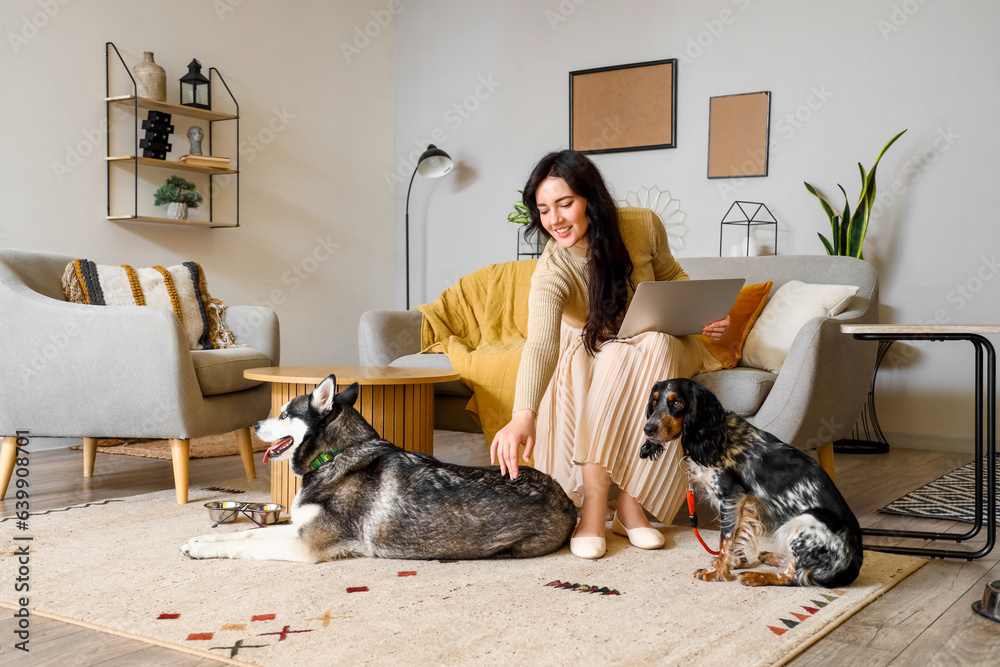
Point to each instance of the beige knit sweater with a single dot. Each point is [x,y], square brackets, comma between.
[559,294]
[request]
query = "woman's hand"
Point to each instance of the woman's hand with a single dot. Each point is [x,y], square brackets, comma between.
[520,431]
[716,330]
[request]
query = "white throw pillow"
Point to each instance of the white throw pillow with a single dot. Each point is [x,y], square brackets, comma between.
[788,309]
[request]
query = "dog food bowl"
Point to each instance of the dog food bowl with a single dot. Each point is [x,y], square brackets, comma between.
[224,511]
[227,511]
[264,514]
[989,606]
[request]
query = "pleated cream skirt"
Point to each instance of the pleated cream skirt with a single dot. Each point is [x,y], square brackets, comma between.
[594,409]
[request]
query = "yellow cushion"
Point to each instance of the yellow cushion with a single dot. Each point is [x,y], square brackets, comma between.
[743,314]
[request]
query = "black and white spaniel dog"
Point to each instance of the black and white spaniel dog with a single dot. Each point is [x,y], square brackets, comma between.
[760,486]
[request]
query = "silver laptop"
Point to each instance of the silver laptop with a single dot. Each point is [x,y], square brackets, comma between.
[679,307]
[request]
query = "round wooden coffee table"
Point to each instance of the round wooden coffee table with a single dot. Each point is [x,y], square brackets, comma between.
[397,402]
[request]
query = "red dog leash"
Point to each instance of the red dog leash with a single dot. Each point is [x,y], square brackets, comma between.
[692,514]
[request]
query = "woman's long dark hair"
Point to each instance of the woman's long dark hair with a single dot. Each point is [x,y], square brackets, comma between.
[609,267]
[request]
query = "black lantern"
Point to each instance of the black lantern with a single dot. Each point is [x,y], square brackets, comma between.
[195,87]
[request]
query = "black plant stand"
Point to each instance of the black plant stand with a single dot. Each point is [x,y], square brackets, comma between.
[869,439]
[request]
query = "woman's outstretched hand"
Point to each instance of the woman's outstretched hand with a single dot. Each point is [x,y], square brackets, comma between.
[519,432]
[716,330]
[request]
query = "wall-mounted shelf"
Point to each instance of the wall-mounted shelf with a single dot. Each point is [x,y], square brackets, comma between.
[170,221]
[169,164]
[133,102]
[169,107]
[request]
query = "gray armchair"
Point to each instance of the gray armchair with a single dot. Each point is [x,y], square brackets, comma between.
[813,401]
[75,370]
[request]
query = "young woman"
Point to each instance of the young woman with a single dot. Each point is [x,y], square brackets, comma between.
[588,389]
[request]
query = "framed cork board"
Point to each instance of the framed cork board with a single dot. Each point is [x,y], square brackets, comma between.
[738,130]
[623,108]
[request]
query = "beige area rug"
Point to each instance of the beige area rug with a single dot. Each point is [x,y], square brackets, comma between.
[115,566]
[201,448]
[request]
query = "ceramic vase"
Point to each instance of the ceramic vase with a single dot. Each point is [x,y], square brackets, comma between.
[150,79]
[177,211]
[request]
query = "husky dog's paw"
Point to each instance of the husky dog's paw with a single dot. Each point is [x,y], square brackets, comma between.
[199,547]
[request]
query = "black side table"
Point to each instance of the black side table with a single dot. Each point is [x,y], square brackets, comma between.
[986,483]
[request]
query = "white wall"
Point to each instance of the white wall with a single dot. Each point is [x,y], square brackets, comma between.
[844,78]
[334,125]
[316,124]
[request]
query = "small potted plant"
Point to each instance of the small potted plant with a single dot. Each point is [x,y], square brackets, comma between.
[178,194]
[525,245]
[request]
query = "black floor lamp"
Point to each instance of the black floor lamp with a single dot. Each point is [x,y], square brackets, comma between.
[433,162]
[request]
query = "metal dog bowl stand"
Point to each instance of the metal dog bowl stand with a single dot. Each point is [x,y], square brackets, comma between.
[986,483]
[262,514]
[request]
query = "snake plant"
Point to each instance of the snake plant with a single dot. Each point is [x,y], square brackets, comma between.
[849,228]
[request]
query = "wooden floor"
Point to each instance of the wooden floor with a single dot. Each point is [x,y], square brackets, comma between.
[924,620]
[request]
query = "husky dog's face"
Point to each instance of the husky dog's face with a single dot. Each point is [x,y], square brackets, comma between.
[294,431]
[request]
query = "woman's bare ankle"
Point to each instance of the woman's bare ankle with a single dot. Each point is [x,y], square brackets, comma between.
[630,512]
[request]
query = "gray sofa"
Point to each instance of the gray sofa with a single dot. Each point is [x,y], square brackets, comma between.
[814,400]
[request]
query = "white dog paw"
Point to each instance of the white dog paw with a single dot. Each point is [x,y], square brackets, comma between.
[196,547]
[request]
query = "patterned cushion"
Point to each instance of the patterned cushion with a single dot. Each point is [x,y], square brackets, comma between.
[181,289]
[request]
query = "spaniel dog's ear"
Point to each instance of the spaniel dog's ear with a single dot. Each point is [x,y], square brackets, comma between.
[704,429]
[650,450]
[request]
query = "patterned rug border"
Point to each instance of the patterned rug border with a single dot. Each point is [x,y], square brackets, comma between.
[950,497]
[146,639]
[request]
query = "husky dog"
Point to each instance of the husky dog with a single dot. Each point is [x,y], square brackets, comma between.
[363,496]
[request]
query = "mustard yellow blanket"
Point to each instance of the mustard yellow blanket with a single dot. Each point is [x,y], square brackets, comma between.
[481,323]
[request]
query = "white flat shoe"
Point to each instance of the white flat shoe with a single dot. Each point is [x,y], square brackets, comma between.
[587,547]
[642,537]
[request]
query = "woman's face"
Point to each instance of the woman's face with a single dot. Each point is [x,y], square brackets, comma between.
[563,212]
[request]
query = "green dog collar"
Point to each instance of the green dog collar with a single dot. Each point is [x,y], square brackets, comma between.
[323,458]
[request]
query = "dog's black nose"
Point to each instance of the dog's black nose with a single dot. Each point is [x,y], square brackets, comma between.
[650,429]
[256,426]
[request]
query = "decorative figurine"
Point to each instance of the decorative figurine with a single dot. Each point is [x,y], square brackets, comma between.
[156,144]
[195,135]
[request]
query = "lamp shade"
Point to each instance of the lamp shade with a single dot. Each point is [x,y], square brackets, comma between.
[434,162]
